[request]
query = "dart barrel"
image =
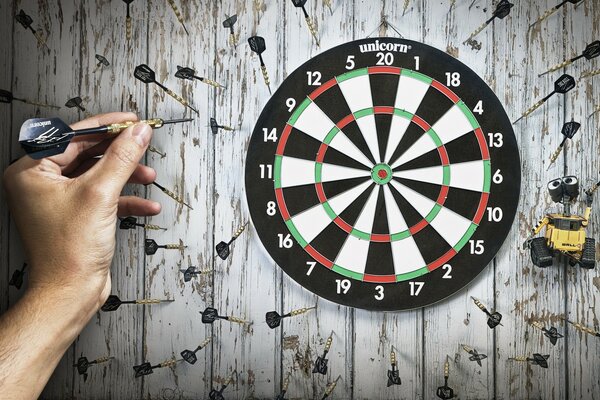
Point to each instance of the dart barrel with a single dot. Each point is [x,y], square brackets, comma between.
[148,301]
[447,369]
[299,311]
[128,28]
[265,74]
[538,325]
[153,227]
[545,15]
[532,109]
[169,363]
[328,343]
[479,304]
[556,154]
[392,357]
[477,31]
[520,358]
[103,360]
[177,97]
[233,39]
[312,29]
[174,247]
[211,83]
[590,74]
[557,67]
[243,227]
[236,320]
[176,11]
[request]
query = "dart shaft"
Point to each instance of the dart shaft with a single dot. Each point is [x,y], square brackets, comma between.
[128,27]
[477,31]
[556,154]
[180,99]
[312,29]
[557,67]
[533,108]
[178,14]
[35,103]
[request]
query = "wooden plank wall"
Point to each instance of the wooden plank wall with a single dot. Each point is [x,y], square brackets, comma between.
[207,171]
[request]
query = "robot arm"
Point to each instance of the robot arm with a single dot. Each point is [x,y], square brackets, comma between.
[543,222]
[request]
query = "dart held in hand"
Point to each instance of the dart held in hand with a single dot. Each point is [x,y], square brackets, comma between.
[113,302]
[273,319]
[563,85]
[145,74]
[45,137]
[7,97]
[591,51]
[258,46]
[502,11]
[309,22]
[223,248]
[150,246]
[190,74]
[322,361]
[189,356]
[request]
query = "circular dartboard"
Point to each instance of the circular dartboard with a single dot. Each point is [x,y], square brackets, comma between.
[383,174]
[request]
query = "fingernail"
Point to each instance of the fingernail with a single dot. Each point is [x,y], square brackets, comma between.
[142,134]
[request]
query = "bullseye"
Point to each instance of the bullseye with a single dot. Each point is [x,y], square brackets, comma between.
[381,174]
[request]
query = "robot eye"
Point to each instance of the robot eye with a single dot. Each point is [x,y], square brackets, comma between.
[554,184]
[570,180]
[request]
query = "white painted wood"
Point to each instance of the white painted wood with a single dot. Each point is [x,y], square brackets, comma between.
[457,321]
[208,172]
[523,291]
[581,156]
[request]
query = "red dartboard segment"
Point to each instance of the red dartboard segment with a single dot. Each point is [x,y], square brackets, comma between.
[380,238]
[443,195]
[483,146]
[385,70]
[383,110]
[343,225]
[442,260]
[379,278]
[323,88]
[449,93]
[321,153]
[283,140]
[418,227]
[345,121]
[281,203]
[320,258]
[422,124]
[443,155]
[481,208]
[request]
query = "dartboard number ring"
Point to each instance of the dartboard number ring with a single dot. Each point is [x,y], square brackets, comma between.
[383,174]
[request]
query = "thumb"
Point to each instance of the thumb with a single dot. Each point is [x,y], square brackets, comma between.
[121,158]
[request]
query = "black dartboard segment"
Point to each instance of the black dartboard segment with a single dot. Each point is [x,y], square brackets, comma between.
[383,174]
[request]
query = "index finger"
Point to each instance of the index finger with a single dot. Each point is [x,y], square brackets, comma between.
[79,144]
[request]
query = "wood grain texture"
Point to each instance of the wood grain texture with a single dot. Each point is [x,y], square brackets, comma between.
[207,171]
[114,334]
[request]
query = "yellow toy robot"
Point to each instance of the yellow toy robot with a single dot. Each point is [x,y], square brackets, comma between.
[565,233]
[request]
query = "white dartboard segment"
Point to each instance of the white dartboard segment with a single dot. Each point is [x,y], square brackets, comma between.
[450,226]
[313,122]
[345,146]
[364,223]
[397,131]
[406,255]
[343,200]
[468,175]
[410,93]
[353,255]
[331,172]
[296,172]
[452,125]
[311,222]
[396,222]
[423,145]
[368,129]
[421,203]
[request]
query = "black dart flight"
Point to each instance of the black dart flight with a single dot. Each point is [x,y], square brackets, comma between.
[150,246]
[223,248]
[537,359]
[26,21]
[145,74]
[113,302]
[190,272]
[75,102]
[7,97]
[83,364]
[309,22]
[273,319]
[45,137]
[321,361]
[445,392]
[591,51]
[189,356]
[17,277]
[210,315]
[393,374]
[551,333]
[229,24]
[554,9]
[568,130]
[147,368]
[131,223]
[214,127]
[474,355]
[190,74]
[102,61]
[257,45]
[501,12]
[493,318]
[218,394]
[563,85]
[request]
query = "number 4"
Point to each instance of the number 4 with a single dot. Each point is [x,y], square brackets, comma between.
[479,107]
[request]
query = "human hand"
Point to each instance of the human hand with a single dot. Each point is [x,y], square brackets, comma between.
[66,206]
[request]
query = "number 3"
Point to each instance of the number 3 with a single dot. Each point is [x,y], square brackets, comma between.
[379,295]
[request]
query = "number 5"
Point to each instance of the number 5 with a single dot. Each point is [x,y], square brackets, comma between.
[350,64]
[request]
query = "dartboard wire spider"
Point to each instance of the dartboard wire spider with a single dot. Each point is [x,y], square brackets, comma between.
[383,27]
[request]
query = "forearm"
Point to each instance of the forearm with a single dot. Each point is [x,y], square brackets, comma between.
[34,335]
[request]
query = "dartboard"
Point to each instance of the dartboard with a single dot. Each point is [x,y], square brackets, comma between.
[383,174]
